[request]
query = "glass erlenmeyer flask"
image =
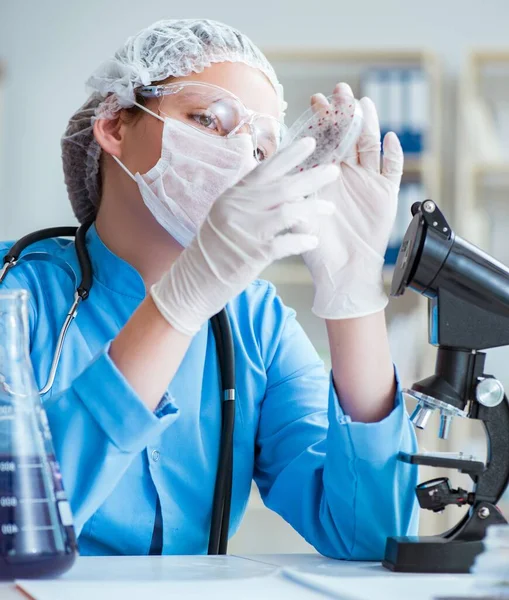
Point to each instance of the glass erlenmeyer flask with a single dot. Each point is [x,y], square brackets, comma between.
[36,533]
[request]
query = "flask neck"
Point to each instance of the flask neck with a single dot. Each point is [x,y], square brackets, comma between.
[14,334]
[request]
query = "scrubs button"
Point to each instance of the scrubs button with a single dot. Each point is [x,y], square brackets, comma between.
[155,455]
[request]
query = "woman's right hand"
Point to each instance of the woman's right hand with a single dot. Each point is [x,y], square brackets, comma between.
[247,228]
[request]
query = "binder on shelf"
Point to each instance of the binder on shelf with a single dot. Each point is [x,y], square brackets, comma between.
[401,96]
[375,85]
[394,91]
[418,104]
[409,193]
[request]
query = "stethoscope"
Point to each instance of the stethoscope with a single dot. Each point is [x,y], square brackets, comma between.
[220,520]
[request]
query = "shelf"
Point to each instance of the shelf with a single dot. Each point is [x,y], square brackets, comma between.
[420,164]
[483,56]
[413,165]
[375,56]
[294,273]
[491,168]
[478,180]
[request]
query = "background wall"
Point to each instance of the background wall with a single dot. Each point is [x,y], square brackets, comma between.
[49,47]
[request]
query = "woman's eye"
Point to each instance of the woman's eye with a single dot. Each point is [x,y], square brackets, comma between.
[260,154]
[206,120]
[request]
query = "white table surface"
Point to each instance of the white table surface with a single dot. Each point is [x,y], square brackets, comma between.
[295,576]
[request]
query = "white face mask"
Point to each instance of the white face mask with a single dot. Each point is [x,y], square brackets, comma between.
[193,171]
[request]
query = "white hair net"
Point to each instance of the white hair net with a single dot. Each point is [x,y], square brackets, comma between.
[168,48]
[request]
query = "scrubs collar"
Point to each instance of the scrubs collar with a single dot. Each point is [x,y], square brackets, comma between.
[112,271]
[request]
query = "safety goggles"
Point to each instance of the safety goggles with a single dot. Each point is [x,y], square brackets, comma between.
[216,111]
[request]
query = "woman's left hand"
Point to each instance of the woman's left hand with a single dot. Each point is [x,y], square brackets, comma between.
[347,264]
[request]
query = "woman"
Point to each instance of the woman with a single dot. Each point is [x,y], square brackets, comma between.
[173,158]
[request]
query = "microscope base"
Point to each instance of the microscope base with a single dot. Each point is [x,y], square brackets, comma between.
[433,554]
[451,552]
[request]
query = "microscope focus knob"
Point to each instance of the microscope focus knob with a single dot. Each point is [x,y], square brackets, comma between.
[489,392]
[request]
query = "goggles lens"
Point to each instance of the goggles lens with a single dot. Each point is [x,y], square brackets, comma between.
[215,111]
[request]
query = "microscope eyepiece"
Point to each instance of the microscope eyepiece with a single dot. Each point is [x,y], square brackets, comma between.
[433,260]
[424,249]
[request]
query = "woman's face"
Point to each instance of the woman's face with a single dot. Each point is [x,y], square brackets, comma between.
[141,139]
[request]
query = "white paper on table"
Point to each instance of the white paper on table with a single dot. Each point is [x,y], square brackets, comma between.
[394,587]
[273,587]
[161,577]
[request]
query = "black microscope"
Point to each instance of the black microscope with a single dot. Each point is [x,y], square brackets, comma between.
[468,303]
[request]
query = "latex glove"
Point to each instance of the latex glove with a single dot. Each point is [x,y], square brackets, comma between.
[246,229]
[347,265]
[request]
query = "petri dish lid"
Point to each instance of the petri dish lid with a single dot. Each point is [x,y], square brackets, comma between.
[335,129]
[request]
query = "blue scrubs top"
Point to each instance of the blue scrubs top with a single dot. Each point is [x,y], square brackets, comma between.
[338,483]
